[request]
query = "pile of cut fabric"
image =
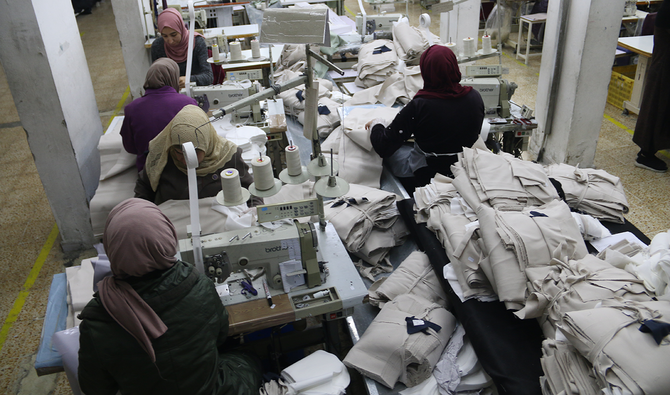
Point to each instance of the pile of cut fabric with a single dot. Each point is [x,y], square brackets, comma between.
[510,237]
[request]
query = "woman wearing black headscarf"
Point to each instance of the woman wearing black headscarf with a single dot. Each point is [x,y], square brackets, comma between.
[443,117]
[155,325]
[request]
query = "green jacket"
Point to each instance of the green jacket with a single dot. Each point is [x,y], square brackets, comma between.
[187,359]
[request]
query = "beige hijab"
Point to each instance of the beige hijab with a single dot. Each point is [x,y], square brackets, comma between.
[190,124]
[138,240]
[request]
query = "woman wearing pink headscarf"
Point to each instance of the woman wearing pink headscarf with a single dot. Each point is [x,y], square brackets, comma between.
[155,325]
[443,117]
[173,44]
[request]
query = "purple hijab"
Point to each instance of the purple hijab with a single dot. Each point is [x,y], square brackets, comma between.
[440,73]
[138,240]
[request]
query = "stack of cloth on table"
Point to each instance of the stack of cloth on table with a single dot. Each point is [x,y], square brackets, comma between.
[426,337]
[502,224]
[367,221]
[377,60]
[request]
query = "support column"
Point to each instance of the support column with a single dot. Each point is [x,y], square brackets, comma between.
[461,22]
[47,73]
[577,56]
[132,34]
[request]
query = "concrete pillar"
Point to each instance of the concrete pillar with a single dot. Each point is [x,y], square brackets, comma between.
[130,19]
[461,22]
[47,73]
[577,58]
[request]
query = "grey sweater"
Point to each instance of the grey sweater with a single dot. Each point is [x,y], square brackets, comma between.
[201,71]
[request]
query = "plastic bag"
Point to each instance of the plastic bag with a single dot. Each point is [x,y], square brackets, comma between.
[276,116]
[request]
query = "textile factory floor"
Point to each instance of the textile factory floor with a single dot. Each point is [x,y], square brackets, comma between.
[29,249]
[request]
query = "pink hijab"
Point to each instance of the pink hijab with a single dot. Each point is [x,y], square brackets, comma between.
[172,18]
[138,240]
[441,76]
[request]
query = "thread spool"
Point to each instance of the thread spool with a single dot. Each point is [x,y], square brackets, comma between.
[230,185]
[255,49]
[293,161]
[486,44]
[452,46]
[263,178]
[469,47]
[235,51]
[215,52]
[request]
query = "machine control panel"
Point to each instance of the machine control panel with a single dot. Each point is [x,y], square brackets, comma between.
[294,209]
[485,70]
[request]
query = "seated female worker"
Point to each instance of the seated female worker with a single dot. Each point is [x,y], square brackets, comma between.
[146,116]
[155,326]
[164,176]
[443,117]
[173,44]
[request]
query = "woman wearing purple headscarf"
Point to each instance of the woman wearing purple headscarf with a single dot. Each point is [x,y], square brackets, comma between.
[443,117]
[173,44]
[154,326]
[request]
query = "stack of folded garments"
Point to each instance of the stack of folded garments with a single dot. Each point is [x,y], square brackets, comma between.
[574,285]
[501,181]
[418,331]
[625,343]
[367,217]
[328,118]
[565,370]
[414,276]
[377,60]
[595,192]
[397,87]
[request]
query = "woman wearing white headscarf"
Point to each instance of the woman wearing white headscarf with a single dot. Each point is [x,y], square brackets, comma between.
[154,326]
[165,174]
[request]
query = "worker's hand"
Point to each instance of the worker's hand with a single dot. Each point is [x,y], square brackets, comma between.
[182,82]
[375,121]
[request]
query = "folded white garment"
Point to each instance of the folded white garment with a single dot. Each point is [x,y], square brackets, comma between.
[79,286]
[320,373]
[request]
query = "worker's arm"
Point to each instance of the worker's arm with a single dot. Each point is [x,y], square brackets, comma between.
[143,188]
[387,139]
[201,71]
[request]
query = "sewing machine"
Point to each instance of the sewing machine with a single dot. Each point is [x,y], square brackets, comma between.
[259,247]
[225,94]
[332,284]
[496,94]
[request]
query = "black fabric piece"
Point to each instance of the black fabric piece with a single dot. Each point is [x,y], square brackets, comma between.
[537,214]
[299,95]
[381,49]
[508,348]
[423,327]
[658,329]
[559,188]
[323,110]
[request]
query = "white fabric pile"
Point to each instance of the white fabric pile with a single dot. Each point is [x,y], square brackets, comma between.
[409,41]
[595,192]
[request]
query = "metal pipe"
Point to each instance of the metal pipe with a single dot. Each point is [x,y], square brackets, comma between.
[325,61]
[555,77]
[264,94]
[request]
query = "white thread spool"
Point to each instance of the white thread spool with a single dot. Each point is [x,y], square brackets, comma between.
[486,44]
[452,46]
[215,52]
[469,47]
[255,49]
[231,186]
[293,160]
[263,177]
[235,50]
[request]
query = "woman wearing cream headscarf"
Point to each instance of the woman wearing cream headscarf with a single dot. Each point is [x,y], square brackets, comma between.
[165,174]
[156,325]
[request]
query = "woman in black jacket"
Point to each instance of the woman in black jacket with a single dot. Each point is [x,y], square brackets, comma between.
[155,325]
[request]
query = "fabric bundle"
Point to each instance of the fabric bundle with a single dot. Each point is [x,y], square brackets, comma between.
[574,285]
[414,276]
[403,343]
[565,370]
[501,181]
[409,42]
[377,60]
[595,192]
[328,118]
[375,251]
[625,358]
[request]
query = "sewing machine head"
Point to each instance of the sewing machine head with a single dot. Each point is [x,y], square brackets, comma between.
[259,247]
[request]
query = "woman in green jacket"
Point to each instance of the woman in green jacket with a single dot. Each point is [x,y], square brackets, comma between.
[155,326]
